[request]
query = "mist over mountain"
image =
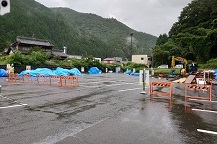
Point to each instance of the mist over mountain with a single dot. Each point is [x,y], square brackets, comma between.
[82,34]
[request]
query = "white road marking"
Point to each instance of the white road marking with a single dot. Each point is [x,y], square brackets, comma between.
[12,106]
[106,85]
[89,86]
[116,84]
[204,110]
[129,89]
[98,82]
[61,136]
[6,98]
[206,131]
[203,100]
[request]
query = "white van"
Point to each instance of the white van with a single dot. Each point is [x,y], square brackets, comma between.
[163,66]
[179,66]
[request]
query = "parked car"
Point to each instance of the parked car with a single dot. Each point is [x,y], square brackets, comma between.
[179,66]
[163,66]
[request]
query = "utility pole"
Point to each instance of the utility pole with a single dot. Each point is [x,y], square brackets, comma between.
[131,50]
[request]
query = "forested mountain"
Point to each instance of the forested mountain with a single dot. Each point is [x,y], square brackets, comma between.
[112,32]
[82,34]
[193,36]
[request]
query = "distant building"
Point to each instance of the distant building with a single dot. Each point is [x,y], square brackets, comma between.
[113,60]
[98,59]
[142,59]
[74,56]
[108,60]
[24,44]
[59,53]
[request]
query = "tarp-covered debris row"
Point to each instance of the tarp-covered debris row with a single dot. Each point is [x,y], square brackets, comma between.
[58,71]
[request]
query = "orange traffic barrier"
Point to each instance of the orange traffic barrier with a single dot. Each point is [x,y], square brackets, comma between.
[162,85]
[13,77]
[197,88]
[41,79]
[26,78]
[55,77]
[6,78]
[69,81]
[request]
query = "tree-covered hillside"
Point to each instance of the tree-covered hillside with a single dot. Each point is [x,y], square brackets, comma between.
[112,32]
[193,36]
[103,38]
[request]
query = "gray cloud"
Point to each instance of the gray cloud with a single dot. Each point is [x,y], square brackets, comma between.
[150,16]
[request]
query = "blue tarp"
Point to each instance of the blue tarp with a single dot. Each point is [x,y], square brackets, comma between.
[94,70]
[75,71]
[58,71]
[134,74]
[3,73]
[128,72]
[215,72]
[61,71]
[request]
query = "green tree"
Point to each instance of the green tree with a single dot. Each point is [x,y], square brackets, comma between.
[193,36]
[17,58]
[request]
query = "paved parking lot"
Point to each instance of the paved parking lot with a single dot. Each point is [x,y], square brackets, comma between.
[105,108]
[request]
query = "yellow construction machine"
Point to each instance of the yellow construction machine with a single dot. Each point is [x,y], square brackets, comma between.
[174,59]
[187,67]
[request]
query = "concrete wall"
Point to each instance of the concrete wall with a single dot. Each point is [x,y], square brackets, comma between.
[140,59]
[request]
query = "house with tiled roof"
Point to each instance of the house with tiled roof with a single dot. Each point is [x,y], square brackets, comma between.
[59,53]
[24,44]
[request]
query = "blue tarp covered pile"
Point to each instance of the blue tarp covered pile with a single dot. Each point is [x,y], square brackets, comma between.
[215,72]
[129,72]
[58,71]
[94,70]
[3,73]
[134,74]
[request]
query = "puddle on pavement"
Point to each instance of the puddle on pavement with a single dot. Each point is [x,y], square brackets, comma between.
[185,119]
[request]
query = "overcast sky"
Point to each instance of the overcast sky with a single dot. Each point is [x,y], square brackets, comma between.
[150,16]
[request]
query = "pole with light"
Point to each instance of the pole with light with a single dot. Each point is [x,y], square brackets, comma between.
[131,49]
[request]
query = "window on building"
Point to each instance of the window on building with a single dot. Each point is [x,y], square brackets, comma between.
[25,48]
[142,58]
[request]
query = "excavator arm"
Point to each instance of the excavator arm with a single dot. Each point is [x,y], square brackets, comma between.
[174,59]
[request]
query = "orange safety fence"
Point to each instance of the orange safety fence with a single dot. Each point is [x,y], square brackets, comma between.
[26,78]
[12,77]
[55,77]
[197,88]
[161,85]
[69,81]
[41,79]
[60,80]
[7,75]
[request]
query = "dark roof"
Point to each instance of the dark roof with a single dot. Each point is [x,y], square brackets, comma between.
[33,41]
[59,53]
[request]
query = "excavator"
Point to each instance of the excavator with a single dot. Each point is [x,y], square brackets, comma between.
[192,67]
[174,59]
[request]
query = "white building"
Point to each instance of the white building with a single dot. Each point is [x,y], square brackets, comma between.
[142,59]
[113,60]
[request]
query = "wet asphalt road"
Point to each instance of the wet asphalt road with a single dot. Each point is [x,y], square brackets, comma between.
[102,109]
